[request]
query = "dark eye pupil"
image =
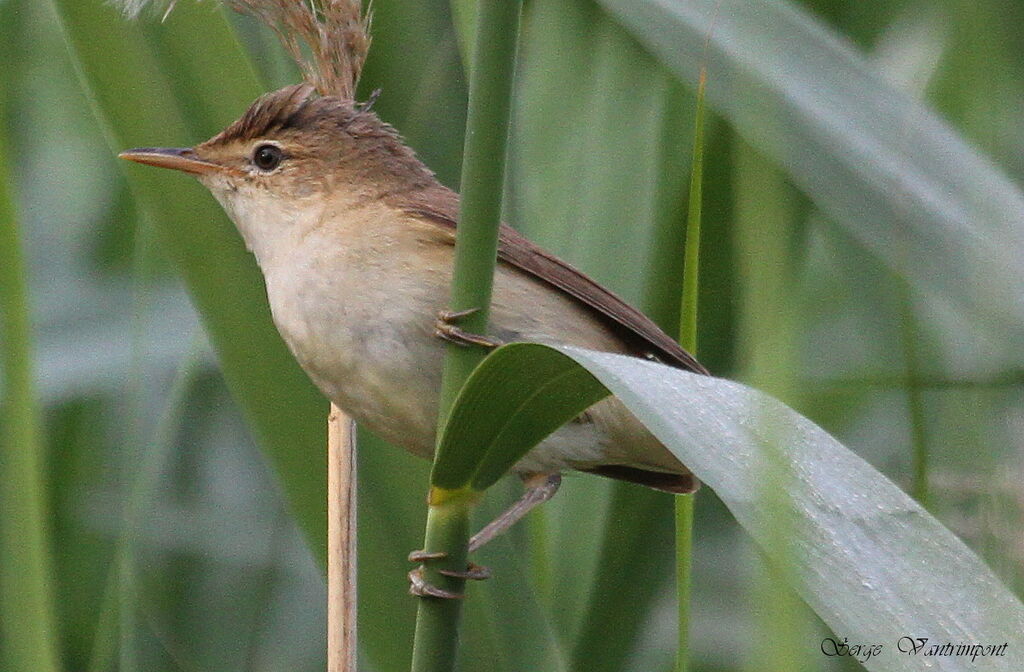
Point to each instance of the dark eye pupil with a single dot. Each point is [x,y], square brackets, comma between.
[267,157]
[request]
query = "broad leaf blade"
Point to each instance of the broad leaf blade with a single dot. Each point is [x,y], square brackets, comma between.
[884,166]
[469,457]
[136,103]
[870,561]
[215,89]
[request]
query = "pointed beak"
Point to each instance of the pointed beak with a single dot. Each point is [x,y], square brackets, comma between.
[184,159]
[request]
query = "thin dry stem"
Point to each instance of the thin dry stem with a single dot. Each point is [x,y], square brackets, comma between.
[341,543]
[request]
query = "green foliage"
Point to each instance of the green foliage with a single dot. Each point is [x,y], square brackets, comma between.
[483,174]
[602,131]
[688,339]
[598,166]
[473,459]
[476,247]
[139,107]
[28,624]
[874,566]
[886,168]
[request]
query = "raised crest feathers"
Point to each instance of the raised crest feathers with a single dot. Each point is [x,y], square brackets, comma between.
[327,39]
[270,112]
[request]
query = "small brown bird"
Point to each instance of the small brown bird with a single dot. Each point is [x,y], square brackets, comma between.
[355,238]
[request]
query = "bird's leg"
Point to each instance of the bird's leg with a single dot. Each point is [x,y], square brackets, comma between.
[539,489]
[446,327]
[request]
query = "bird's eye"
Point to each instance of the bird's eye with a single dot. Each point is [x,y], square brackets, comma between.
[267,157]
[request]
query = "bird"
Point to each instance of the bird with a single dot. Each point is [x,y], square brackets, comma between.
[354,237]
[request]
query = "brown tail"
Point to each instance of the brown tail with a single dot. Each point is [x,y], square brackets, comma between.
[677,484]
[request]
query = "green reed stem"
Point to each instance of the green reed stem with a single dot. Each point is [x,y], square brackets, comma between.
[27,616]
[915,400]
[688,339]
[483,176]
[691,258]
[476,246]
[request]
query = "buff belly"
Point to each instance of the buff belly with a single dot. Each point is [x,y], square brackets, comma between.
[366,338]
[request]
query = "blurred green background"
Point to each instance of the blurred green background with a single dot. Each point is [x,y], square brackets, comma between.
[176,544]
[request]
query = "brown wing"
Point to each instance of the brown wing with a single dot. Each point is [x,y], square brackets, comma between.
[442,206]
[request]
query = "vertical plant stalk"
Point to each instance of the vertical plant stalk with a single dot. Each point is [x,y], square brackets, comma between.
[483,176]
[688,339]
[915,400]
[476,248]
[27,617]
[341,542]
[691,259]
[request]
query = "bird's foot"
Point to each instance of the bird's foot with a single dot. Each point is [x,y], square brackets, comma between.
[539,488]
[420,587]
[447,328]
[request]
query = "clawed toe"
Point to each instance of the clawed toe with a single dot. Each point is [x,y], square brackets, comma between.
[473,573]
[446,328]
[453,316]
[422,556]
[419,587]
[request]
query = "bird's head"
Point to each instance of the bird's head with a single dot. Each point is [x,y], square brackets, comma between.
[293,154]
